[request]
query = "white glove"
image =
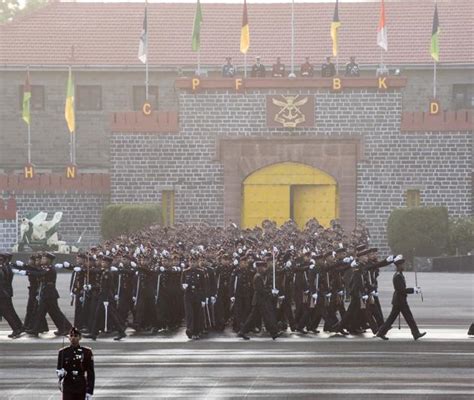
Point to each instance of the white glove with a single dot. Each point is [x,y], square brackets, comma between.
[314,296]
[15,271]
[236,262]
[389,259]
[178,269]
[58,266]
[347,260]
[275,292]
[133,264]
[375,294]
[85,287]
[328,295]
[207,300]
[61,373]
[19,272]
[88,396]
[365,297]
[340,293]
[311,266]
[134,299]
[288,264]
[281,298]
[89,286]
[113,269]
[213,300]
[398,258]
[417,290]
[66,264]
[162,269]
[184,286]
[354,264]
[77,269]
[116,297]
[19,263]
[203,304]
[232,299]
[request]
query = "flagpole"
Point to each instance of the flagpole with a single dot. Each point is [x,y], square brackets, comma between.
[434,80]
[71,156]
[292,74]
[245,65]
[29,122]
[199,62]
[146,52]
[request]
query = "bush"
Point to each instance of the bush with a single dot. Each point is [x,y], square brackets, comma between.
[418,231]
[460,235]
[119,219]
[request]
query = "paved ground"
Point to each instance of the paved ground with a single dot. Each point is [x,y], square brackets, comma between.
[440,366]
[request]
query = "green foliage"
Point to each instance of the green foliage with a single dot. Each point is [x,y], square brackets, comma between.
[119,219]
[11,8]
[418,231]
[461,235]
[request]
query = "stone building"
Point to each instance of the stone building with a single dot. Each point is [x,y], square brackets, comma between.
[216,153]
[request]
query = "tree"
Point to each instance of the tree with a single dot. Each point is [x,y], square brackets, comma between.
[11,8]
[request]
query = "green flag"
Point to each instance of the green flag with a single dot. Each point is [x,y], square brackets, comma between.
[434,48]
[26,100]
[197,27]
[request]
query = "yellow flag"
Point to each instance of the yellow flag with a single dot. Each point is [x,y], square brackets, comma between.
[69,108]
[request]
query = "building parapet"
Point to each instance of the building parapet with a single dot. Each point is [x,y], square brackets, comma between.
[139,122]
[8,209]
[444,121]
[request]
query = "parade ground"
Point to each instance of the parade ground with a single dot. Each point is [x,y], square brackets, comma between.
[221,366]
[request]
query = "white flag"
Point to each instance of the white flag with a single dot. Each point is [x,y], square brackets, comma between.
[143,46]
[382,39]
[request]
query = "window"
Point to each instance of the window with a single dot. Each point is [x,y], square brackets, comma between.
[37,98]
[463,96]
[167,207]
[88,97]
[139,97]
[413,198]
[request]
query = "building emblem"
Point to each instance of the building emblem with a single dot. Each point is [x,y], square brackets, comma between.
[290,114]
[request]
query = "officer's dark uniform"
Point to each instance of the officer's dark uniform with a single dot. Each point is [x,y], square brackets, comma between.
[328,69]
[48,300]
[278,69]
[307,69]
[6,293]
[193,296]
[241,290]
[222,306]
[258,70]
[400,305]
[352,68]
[78,362]
[228,70]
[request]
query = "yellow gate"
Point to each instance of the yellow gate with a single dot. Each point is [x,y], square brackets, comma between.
[289,190]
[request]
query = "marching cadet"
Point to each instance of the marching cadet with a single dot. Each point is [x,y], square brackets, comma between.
[106,306]
[6,293]
[48,298]
[278,69]
[223,276]
[400,304]
[75,369]
[258,69]
[76,289]
[124,293]
[261,304]
[241,290]
[192,282]
[307,69]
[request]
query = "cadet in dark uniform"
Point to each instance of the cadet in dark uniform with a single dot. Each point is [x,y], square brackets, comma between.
[75,369]
[228,70]
[352,68]
[278,69]
[307,69]
[6,293]
[48,298]
[258,69]
[261,304]
[328,69]
[399,303]
[192,282]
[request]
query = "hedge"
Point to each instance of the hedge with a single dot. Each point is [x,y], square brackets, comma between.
[460,235]
[119,219]
[418,231]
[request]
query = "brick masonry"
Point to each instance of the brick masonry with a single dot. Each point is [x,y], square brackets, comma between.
[386,161]
[8,234]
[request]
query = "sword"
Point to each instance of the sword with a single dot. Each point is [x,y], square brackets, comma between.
[106,306]
[71,288]
[138,290]
[416,280]
[208,315]
[157,288]
[118,286]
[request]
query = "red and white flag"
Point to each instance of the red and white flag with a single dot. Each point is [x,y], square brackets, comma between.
[382,40]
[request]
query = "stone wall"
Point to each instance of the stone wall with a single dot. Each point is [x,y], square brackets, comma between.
[8,234]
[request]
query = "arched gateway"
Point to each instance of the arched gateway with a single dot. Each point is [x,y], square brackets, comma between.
[289,190]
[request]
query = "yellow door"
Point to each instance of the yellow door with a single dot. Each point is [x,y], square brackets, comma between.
[313,201]
[288,190]
[266,202]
